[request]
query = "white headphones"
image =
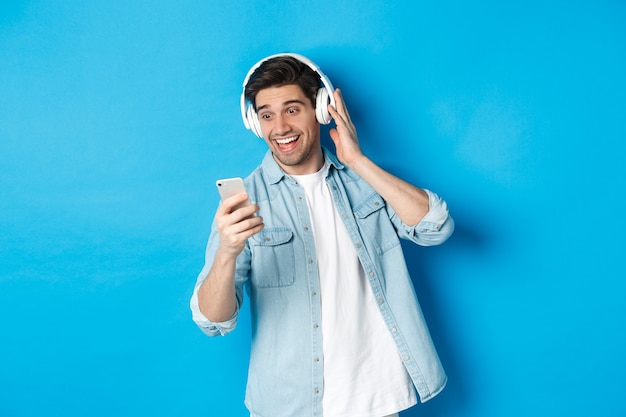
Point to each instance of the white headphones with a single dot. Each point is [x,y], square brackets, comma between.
[323,97]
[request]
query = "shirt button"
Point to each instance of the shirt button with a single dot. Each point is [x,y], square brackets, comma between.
[315,326]
[314,293]
[310,260]
[316,359]
[394,330]
[316,391]
[358,246]
[306,229]
[406,357]
[380,301]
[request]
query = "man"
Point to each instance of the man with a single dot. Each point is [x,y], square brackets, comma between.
[336,327]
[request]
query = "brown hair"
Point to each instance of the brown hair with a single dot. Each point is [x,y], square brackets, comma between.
[280,71]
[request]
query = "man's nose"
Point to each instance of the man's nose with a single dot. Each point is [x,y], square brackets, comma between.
[280,124]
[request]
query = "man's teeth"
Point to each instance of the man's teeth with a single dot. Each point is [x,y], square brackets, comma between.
[286,140]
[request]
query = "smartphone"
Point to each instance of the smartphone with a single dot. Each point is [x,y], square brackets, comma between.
[229,187]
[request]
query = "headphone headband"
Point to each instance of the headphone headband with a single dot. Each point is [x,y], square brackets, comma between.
[324,95]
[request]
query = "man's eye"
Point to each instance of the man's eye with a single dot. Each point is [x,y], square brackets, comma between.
[266,116]
[292,110]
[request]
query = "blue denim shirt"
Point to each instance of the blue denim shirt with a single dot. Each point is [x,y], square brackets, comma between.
[278,269]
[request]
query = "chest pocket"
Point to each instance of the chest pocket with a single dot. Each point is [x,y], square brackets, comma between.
[375,224]
[273,258]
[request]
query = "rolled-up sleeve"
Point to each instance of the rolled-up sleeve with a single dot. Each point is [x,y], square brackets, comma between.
[435,227]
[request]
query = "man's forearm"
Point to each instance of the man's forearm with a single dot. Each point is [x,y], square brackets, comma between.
[407,200]
[216,295]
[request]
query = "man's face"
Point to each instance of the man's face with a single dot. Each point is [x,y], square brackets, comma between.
[290,128]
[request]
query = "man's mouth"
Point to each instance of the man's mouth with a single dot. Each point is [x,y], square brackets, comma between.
[287,144]
[286,140]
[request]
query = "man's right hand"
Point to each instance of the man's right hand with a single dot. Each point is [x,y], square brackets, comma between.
[236,225]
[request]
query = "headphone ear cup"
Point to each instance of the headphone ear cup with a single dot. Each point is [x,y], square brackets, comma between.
[253,121]
[321,106]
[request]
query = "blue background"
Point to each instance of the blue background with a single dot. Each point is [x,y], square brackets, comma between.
[117,117]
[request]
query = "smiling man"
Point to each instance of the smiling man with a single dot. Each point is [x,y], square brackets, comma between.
[336,327]
[288,121]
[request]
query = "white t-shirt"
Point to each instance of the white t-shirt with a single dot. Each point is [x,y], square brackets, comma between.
[363,373]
